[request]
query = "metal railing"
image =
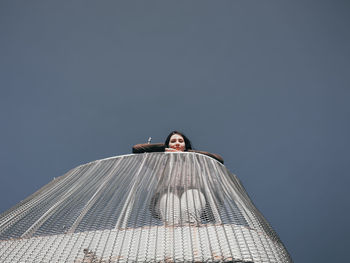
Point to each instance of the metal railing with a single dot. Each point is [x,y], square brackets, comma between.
[152,207]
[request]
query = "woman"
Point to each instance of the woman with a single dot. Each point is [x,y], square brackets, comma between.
[177,204]
[175,142]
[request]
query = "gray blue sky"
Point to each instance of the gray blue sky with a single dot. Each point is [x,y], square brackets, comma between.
[263,83]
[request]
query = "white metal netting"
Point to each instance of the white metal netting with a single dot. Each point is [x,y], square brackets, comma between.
[151,207]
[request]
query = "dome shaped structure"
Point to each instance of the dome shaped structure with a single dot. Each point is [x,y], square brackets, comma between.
[152,207]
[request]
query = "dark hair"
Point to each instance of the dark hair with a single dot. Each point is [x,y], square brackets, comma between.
[188,145]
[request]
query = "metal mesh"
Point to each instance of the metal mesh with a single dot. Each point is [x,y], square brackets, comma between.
[152,207]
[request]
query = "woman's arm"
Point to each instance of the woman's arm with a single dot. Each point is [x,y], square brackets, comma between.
[160,147]
[148,147]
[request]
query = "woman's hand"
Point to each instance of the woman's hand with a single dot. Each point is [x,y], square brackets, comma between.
[171,150]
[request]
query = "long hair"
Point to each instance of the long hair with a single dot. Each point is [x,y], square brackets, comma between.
[188,145]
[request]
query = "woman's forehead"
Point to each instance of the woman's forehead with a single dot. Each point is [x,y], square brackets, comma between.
[176,136]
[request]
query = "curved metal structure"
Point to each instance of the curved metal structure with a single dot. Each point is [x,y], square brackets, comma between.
[152,207]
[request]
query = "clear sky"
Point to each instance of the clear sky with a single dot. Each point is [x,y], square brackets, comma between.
[263,83]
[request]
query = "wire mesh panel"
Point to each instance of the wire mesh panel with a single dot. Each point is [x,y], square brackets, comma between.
[152,207]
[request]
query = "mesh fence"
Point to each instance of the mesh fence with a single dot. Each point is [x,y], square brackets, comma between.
[152,207]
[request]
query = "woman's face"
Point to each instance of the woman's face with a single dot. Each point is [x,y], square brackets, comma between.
[177,142]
